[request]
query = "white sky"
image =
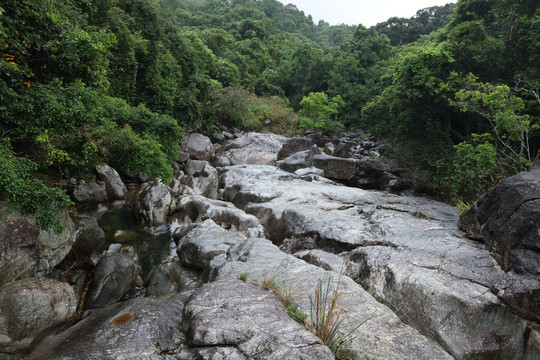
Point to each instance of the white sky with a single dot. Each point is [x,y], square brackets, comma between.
[365,12]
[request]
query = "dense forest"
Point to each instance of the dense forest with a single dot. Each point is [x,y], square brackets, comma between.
[454,89]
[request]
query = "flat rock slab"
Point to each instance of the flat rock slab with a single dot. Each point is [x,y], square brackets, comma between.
[142,328]
[232,313]
[406,251]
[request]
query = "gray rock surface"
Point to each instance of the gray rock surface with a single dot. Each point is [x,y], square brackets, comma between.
[89,194]
[115,188]
[335,167]
[152,204]
[114,275]
[384,334]
[245,317]
[250,148]
[293,146]
[31,309]
[407,252]
[202,178]
[25,251]
[89,237]
[142,328]
[171,278]
[510,219]
[199,147]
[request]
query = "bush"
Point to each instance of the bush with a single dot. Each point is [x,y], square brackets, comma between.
[30,196]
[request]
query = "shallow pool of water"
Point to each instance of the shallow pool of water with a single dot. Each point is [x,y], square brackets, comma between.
[153,246]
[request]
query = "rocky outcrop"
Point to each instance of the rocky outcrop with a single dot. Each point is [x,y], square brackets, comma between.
[293,146]
[115,188]
[250,148]
[31,309]
[199,147]
[407,252]
[142,328]
[228,257]
[152,203]
[25,251]
[113,276]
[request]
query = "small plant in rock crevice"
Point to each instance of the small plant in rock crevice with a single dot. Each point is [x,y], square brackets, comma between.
[326,319]
[243,276]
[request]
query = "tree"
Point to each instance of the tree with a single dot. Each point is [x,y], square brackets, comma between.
[319,113]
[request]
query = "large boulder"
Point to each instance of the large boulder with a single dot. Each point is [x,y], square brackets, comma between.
[142,328]
[294,145]
[152,203]
[89,194]
[199,147]
[25,251]
[89,237]
[335,167]
[115,188]
[509,219]
[250,148]
[113,276]
[31,309]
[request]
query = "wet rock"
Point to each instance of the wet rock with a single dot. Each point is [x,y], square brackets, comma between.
[240,315]
[293,146]
[31,309]
[202,178]
[250,148]
[142,328]
[89,194]
[25,251]
[152,204]
[114,275]
[335,167]
[115,188]
[199,147]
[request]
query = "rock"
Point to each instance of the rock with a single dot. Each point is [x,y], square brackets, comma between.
[509,216]
[309,171]
[31,309]
[250,148]
[201,245]
[202,178]
[468,222]
[113,276]
[406,251]
[171,278]
[343,150]
[329,148]
[335,167]
[373,174]
[293,146]
[142,328]
[249,319]
[25,251]
[199,209]
[89,237]
[199,147]
[299,160]
[323,260]
[115,188]
[152,204]
[89,194]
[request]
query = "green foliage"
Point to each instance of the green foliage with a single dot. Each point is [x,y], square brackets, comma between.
[509,124]
[243,276]
[28,195]
[317,112]
[472,172]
